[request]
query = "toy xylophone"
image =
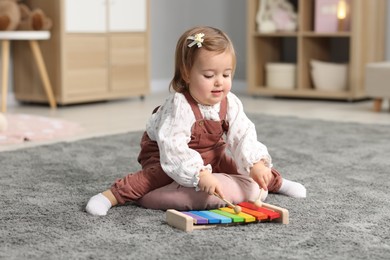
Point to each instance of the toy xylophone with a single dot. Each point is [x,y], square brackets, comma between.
[204,219]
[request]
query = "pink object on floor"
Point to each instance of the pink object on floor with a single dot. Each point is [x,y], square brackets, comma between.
[24,128]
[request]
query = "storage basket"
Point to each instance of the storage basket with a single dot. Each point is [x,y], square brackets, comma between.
[280,75]
[329,76]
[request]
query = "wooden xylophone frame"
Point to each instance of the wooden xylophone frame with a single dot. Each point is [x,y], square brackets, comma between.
[186,223]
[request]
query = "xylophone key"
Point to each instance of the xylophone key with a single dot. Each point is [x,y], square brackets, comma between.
[197,219]
[235,218]
[271,214]
[247,218]
[260,216]
[212,217]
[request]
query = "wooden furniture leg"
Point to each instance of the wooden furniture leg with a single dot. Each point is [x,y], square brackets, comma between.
[43,72]
[378,104]
[5,46]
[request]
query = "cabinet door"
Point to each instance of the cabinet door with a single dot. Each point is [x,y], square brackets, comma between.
[127,15]
[85,66]
[128,64]
[87,16]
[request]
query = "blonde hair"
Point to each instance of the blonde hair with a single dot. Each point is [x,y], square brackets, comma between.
[214,40]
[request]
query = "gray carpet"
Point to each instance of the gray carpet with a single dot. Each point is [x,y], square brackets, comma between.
[344,166]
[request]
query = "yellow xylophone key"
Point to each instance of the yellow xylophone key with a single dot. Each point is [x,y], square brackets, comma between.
[233,216]
[247,217]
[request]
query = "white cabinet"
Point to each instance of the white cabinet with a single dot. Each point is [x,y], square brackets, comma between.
[127,15]
[99,50]
[85,16]
[100,16]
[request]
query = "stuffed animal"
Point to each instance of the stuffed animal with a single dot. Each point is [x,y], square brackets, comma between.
[35,19]
[10,15]
[276,15]
[283,15]
[18,16]
[3,123]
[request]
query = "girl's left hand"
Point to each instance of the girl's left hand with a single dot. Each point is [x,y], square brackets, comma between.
[261,174]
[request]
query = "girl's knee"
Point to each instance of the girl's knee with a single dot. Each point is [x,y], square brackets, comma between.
[241,189]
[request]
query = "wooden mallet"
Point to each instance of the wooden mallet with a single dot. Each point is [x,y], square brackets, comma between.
[237,209]
[258,202]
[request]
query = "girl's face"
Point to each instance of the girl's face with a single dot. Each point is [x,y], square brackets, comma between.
[210,78]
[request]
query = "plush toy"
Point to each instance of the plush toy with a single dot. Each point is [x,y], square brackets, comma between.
[283,15]
[10,15]
[276,15]
[3,123]
[35,19]
[18,16]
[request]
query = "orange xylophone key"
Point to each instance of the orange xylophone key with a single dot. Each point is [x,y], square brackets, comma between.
[271,214]
[257,214]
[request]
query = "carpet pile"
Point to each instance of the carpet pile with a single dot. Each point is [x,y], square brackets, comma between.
[344,166]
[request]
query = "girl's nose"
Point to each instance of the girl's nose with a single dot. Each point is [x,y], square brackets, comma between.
[218,81]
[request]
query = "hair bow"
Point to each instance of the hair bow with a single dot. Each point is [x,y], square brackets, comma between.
[197,39]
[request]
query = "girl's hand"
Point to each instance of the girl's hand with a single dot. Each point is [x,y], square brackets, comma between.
[261,174]
[208,183]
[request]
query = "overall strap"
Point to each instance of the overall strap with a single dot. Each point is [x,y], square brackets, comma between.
[223,109]
[194,106]
[196,110]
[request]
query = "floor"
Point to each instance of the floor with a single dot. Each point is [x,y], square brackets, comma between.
[105,118]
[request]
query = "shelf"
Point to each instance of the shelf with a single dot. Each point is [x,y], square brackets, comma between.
[306,33]
[305,93]
[362,43]
[25,35]
[276,34]
[317,34]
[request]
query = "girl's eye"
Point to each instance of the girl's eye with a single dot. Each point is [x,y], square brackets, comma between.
[226,75]
[208,76]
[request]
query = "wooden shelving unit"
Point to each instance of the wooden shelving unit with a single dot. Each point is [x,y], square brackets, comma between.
[98,50]
[363,43]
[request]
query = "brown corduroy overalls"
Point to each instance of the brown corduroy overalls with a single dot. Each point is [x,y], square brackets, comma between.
[206,138]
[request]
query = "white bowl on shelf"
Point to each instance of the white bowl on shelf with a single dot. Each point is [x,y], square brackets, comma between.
[329,76]
[280,75]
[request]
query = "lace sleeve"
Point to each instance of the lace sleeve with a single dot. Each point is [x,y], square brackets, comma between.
[242,138]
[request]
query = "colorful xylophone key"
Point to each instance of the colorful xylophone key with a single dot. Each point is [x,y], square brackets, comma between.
[191,220]
[249,207]
[246,218]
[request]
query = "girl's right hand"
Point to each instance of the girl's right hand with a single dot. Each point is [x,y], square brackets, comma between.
[208,183]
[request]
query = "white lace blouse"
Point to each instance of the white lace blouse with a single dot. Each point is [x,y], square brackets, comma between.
[171,127]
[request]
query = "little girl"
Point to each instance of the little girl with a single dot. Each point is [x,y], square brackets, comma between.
[183,150]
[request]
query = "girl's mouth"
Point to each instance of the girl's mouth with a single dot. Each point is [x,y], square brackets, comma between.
[217,93]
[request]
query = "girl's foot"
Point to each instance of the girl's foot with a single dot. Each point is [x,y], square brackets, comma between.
[98,205]
[292,189]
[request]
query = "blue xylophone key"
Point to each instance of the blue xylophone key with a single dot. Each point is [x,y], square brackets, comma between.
[212,217]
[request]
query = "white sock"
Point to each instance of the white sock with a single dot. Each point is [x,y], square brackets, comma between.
[292,189]
[98,205]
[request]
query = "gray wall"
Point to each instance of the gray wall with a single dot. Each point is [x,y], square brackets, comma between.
[170,18]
